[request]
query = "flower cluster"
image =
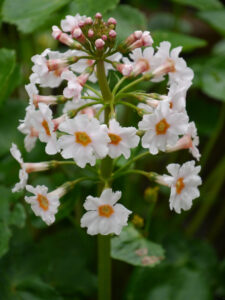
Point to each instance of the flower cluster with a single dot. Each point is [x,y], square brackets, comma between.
[89,130]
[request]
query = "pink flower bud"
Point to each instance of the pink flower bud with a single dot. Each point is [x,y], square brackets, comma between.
[112,33]
[88,21]
[183,143]
[44,99]
[133,37]
[36,167]
[141,66]
[138,34]
[82,79]
[124,69]
[90,33]
[54,64]
[99,43]
[77,32]
[146,39]
[111,21]
[61,36]
[98,15]
[81,24]
[104,37]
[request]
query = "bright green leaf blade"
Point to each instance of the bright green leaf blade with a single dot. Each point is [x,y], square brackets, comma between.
[5,234]
[188,43]
[7,67]
[28,15]
[170,283]
[134,249]
[215,19]
[202,4]
[90,7]
[128,19]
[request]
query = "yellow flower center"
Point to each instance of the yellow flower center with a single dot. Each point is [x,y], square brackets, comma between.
[82,138]
[46,127]
[180,185]
[115,139]
[161,127]
[105,210]
[43,202]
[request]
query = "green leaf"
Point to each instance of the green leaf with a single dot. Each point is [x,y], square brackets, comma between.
[134,249]
[168,282]
[215,19]
[128,19]
[18,216]
[189,43]
[202,4]
[10,114]
[5,234]
[7,67]
[29,15]
[90,7]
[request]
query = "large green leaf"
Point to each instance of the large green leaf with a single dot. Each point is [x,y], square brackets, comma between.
[188,43]
[90,7]
[7,67]
[202,4]
[170,283]
[133,248]
[128,19]
[5,234]
[215,19]
[28,15]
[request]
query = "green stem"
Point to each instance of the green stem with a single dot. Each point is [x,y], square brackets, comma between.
[104,268]
[118,84]
[93,98]
[104,259]
[140,172]
[132,160]
[93,90]
[74,112]
[130,105]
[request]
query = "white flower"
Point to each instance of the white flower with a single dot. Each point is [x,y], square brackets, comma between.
[23,176]
[71,22]
[27,128]
[142,61]
[42,122]
[177,97]
[184,184]
[41,73]
[189,141]
[82,64]
[163,128]
[122,139]
[73,89]
[86,140]
[43,204]
[31,91]
[103,215]
[167,61]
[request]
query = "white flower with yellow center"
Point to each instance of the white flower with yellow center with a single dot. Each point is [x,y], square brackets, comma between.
[42,122]
[85,141]
[184,184]
[177,97]
[27,128]
[166,61]
[162,127]
[122,139]
[103,215]
[43,204]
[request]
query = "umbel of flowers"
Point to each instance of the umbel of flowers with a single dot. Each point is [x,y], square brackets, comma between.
[89,129]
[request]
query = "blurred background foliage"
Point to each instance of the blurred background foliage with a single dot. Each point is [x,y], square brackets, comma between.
[59,262]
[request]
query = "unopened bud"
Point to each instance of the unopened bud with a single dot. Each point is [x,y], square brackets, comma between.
[98,15]
[112,33]
[138,34]
[64,38]
[88,21]
[124,69]
[77,32]
[90,33]
[81,24]
[99,44]
[111,21]
[104,37]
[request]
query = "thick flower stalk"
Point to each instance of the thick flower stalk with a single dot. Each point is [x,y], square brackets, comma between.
[89,130]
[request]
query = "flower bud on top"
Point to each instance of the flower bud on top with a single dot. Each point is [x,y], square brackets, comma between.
[112,34]
[98,15]
[99,44]
[104,37]
[90,33]
[111,21]
[88,21]
[81,24]
[64,38]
